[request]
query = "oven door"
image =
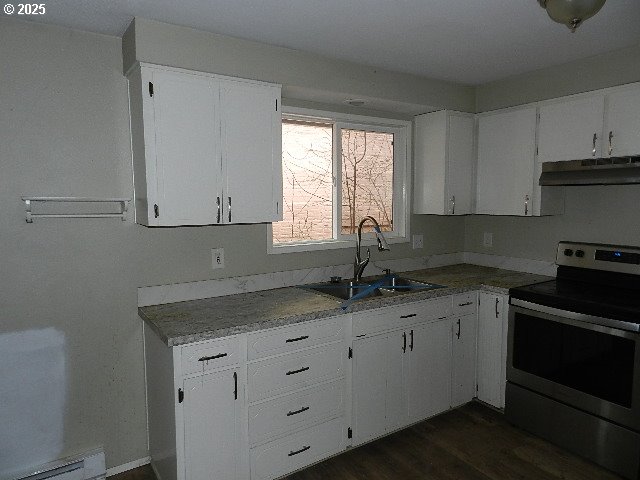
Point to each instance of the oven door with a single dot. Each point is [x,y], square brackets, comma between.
[592,367]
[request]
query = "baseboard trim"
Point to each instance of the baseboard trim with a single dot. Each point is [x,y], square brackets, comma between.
[128,466]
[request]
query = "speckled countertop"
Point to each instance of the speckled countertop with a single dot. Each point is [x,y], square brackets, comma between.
[197,320]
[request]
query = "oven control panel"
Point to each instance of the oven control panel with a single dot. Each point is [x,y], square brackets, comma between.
[597,256]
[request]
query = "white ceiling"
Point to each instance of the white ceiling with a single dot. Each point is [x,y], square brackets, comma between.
[465,41]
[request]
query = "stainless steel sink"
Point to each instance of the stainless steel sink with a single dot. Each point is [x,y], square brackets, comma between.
[374,287]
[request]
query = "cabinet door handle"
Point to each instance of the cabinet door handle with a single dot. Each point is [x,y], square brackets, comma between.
[404,342]
[212,357]
[497,302]
[303,449]
[409,316]
[300,370]
[458,333]
[218,205]
[411,344]
[464,304]
[453,204]
[229,209]
[595,137]
[610,142]
[235,385]
[526,205]
[297,339]
[296,412]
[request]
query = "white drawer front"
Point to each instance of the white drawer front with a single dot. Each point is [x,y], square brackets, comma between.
[283,456]
[295,411]
[283,340]
[399,316]
[294,371]
[465,304]
[210,355]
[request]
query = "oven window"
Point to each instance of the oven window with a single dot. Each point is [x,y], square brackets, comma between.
[595,363]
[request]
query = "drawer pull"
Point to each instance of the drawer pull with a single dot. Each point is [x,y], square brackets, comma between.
[300,370]
[303,449]
[213,357]
[296,412]
[409,316]
[464,304]
[297,339]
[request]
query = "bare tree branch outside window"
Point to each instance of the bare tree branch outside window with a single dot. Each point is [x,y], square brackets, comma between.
[367,181]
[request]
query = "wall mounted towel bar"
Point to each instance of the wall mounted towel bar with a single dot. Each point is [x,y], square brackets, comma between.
[123,205]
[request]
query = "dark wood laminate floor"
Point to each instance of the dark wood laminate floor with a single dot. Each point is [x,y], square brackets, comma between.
[470,443]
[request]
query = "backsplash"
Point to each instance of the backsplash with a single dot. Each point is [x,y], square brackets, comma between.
[180,292]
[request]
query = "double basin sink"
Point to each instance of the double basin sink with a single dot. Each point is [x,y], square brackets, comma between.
[374,287]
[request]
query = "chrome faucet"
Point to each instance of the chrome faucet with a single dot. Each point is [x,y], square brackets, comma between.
[359,264]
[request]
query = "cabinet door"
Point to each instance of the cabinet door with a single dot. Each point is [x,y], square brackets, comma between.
[429,373]
[506,158]
[251,152]
[571,130]
[463,369]
[211,433]
[460,161]
[188,167]
[379,401]
[622,129]
[491,349]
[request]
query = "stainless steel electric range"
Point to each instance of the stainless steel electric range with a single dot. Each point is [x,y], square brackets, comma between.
[573,363]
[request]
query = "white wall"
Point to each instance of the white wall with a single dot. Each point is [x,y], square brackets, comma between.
[64,131]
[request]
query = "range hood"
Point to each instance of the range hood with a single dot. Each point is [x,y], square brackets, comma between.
[600,171]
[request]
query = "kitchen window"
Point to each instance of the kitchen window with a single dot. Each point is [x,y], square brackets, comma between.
[338,169]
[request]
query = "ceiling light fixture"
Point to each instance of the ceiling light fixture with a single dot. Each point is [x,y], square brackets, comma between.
[571,12]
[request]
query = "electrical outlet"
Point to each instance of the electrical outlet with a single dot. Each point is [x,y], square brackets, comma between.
[217,258]
[418,241]
[488,239]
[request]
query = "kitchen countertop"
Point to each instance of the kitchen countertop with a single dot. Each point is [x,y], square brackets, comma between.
[197,320]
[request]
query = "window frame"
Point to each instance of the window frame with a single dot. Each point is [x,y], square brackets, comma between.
[401,178]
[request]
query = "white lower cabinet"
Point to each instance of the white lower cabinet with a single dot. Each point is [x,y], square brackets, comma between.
[377,385]
[296,451]
[261,405]
[212,426]
[428,382]
[492,334]
[463,369]
[400,376]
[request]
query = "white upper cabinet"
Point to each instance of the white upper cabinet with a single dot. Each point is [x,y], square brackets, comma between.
[444,163]
[506,162]
[251,152]
[622,123]
[593,125]
[206,148]
[571,130]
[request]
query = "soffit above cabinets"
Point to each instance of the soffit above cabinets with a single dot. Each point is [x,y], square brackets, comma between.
[492,39]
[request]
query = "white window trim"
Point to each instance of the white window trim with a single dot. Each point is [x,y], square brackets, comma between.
[402,180]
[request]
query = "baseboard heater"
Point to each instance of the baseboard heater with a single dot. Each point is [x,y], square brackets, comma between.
[89,466]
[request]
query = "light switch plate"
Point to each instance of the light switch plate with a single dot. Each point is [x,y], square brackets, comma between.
[418,241]
[488,239]
[217,258]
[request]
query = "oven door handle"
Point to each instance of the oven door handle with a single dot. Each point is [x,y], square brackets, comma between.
[587,321]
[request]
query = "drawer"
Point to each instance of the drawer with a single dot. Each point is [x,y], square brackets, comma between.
[295,411]
[294,371]
[291,453]
[465,304]
[210,355]
[288,339]
[399,316]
